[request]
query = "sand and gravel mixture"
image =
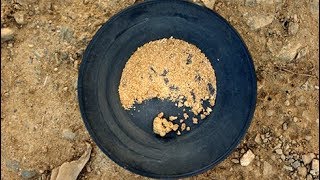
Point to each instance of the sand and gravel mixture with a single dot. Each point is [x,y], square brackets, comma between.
[169,69]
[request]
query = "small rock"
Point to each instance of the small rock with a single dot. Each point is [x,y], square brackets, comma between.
[75,85]
[295,156]
[250,2]
[85,2]
[305,115]
[295,18]
[209,3]
[6,34]
[43,177]
[267,134]
[287,103]
[68,134]
[265,140]
[302,171]
[307,158]
[289,168]
[308,138]
[247,158]
[309,177]
[305,87]
[257,139]
[283,157]
[19,17]
[293,28]
[274,45]
[295,164]
[75,64]
[289,52]
[259,21]
[236,161]
[295,119]
[303,52]
[291,160]
[284,126]
[28,174]
[315,165]
[88,168]
[316,87]
[267,169]
[66,34]
[236,154]
[71,170]
[279,151]
[270,112]
[64,55]
[314,172]
[55,69]
[65,89]
[278,146]
[13,165]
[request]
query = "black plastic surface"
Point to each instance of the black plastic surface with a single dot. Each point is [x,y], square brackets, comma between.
[126,136]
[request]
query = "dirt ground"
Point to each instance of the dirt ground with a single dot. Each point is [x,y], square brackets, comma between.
[41,126]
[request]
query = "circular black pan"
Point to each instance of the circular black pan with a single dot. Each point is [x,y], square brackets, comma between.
[126,136]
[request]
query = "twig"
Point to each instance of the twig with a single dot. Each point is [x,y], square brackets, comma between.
[302,74]
[45,81]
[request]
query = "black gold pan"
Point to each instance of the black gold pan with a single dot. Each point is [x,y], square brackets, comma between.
[126,136]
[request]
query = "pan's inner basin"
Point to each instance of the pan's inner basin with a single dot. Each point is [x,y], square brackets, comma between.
[170,70]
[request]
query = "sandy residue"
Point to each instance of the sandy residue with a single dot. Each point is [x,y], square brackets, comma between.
[168,69]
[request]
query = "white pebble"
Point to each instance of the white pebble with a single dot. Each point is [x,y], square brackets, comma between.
[287,103]
[247,158]
[279,151]
[270,112]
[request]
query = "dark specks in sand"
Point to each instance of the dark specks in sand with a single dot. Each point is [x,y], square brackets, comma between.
[189,59]
[165,72]
[211,89]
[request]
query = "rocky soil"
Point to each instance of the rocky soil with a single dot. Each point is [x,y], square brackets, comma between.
[42,43]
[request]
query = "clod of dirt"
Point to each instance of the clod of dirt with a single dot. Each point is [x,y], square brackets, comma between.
[68,134]
[71,170]
[293,28]
[258,21]
[6,34]
[289,51]
[250,2]
[162,126]
[19,18]
[247,158]
[296,164]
